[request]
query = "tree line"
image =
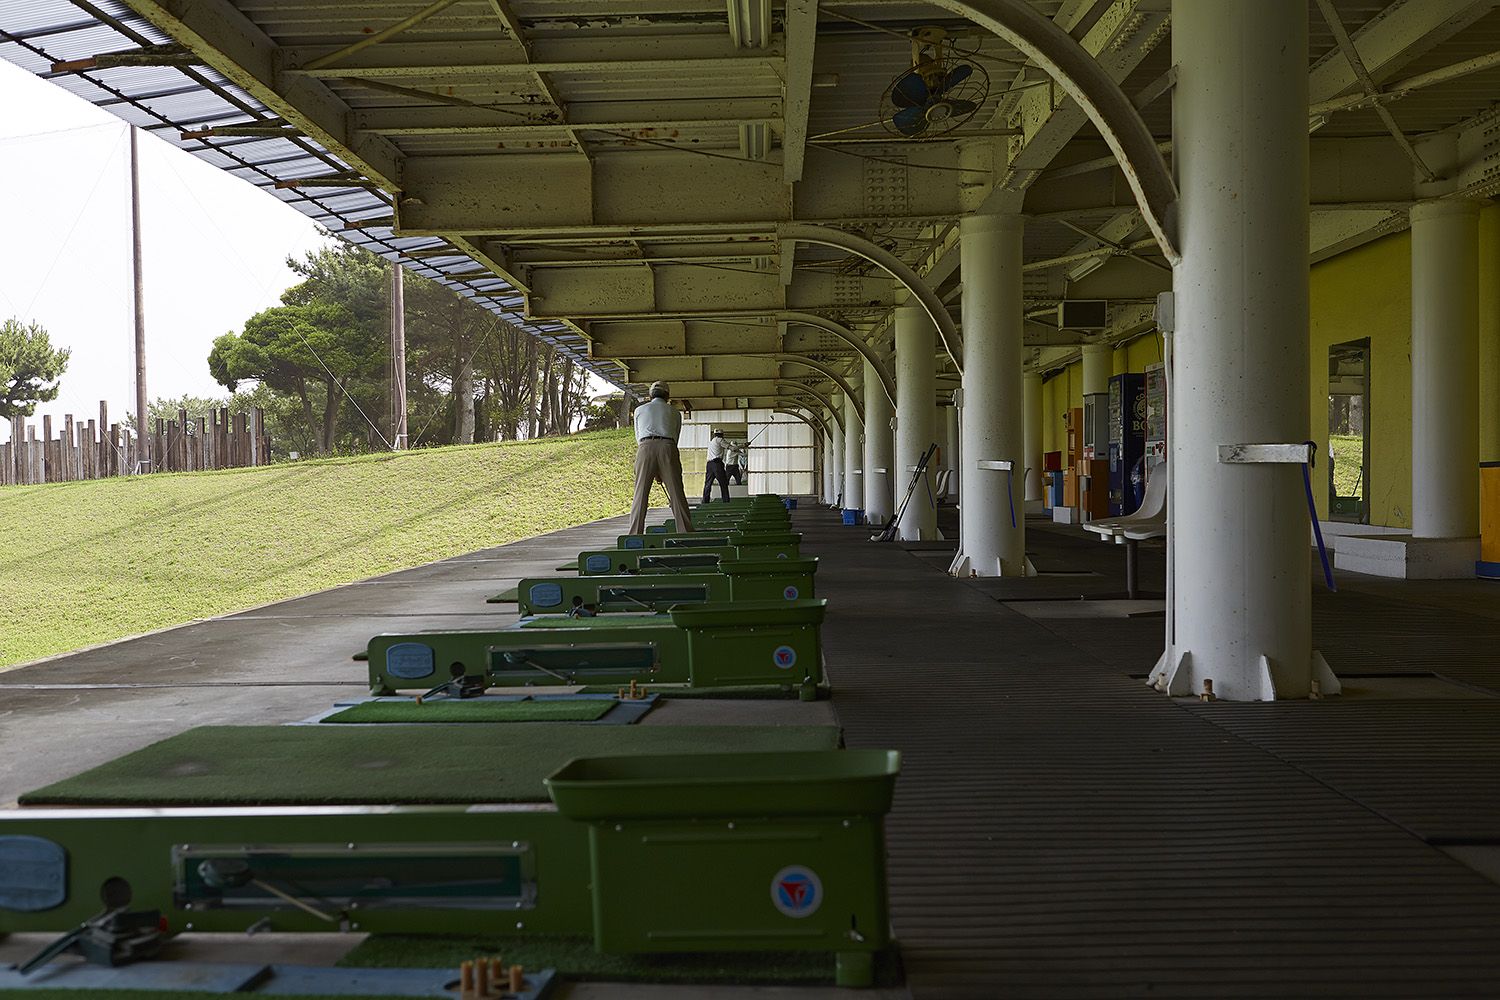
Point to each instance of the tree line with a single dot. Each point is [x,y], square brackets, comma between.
[319,365]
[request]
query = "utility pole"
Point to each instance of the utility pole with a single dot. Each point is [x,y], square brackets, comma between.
[398,359]
[142,416]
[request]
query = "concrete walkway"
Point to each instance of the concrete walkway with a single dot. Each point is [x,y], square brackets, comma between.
[285,662]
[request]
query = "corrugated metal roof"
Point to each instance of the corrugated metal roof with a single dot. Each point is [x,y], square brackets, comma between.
[38,33]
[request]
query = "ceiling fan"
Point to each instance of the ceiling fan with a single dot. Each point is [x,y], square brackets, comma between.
[940,92]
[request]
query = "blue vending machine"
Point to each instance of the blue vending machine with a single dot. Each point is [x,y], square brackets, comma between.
[1127,441]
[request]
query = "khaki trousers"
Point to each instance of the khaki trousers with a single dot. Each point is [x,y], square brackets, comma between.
[657,459]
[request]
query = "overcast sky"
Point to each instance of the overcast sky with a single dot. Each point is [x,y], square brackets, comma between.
[214,249]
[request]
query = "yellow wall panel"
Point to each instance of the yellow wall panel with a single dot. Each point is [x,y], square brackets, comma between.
[1367,293]
[1489,334]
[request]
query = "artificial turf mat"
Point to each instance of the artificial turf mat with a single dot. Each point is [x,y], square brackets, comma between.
[58,993]
[576,959]
[745,692]
[354,765]
[470,710]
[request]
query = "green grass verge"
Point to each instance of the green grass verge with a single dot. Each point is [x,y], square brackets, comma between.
[1349,453]
[99,560]
[575,958]
[473,711]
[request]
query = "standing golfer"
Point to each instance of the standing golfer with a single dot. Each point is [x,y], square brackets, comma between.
[657,425]
[717,449]
[736,462]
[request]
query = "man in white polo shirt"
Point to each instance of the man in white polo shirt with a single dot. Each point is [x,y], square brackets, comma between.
[657,426]
[718,448]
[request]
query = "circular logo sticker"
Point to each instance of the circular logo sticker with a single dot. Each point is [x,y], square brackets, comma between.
[796,891]
[781,555]
[785,657]
[790,593]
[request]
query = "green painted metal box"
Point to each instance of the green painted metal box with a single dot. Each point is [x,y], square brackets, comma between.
[710,645]
[728,580]
[609,561]
[787,579]
[750,544]
[754,642]
[604,594]
[765,851]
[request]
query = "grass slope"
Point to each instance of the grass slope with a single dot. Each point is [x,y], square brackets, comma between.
[93,561]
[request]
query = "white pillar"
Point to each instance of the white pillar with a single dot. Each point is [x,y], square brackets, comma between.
[838,457]
[1445,370]
[830,470]
[915,368]
[879,456]
[854,457]
[1031,404]
[1239,604]
[992,518]
[1098,366]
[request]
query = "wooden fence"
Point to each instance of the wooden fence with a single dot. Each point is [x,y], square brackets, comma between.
[90,450]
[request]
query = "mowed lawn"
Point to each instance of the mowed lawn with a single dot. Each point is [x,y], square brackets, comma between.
[82,563]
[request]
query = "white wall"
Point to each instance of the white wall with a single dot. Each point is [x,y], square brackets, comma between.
[780,453]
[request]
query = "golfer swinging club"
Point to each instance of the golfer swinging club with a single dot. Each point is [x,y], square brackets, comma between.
[657,426]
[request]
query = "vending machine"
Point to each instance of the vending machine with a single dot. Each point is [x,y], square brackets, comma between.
[1127,442]
[1156,417]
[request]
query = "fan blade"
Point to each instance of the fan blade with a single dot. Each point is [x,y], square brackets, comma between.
[910,91]
[957,75]
[910,122]
[957,109]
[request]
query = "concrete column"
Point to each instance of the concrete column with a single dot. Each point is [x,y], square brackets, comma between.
[838,456]
[854,457]
[1031,405]
[879,453]
[992,531]
[1489,335]
[830,468]
[1239,610]
[915,369]
[1445,369]
[1098,366]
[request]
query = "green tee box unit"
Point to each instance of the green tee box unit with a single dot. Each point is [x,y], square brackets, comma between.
[766,850]
[730,580]
[435,869]
[550,651]
[772,579]
[707,645]
[611,561]
[805,875]
[603,594]
[750,544]
[741,524]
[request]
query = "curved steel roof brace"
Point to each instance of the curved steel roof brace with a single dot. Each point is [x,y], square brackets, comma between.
[831,372]
[837,411]
[815,423]
[848,336]
[875,254]
[1117,119]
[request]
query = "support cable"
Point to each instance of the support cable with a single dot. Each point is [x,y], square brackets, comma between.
[384,440]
